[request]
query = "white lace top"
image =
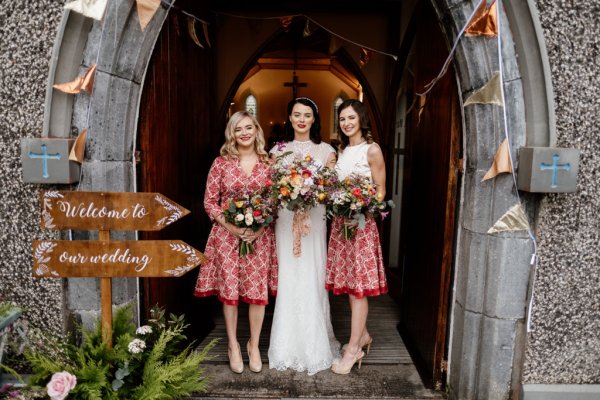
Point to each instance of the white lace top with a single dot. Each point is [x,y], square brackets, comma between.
[320,152]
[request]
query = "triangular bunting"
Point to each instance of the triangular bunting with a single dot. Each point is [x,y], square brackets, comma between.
[306,31]
[146,10]
[205,30]
[490,93]
[334,44]
[78,148]
[365,56]
[501,162]
[285,22]
[84,82]
[485,21]
[90,8]
[513,220]
[191,24]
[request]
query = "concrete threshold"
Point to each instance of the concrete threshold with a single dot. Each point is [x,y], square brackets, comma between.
[399,381]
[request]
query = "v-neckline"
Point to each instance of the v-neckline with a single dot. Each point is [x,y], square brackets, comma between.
[239,163]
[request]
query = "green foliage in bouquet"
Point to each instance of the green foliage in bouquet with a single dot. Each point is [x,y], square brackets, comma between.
[149,362]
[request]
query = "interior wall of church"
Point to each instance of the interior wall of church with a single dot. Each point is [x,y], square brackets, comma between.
[238,39]
[267,87]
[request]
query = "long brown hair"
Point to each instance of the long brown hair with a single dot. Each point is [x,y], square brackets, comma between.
[229,148]
[363,119]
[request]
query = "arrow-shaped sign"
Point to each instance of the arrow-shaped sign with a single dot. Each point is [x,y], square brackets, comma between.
[125,211]
[127,258]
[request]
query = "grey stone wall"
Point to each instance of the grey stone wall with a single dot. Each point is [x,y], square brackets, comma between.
[564,345]
[27,32]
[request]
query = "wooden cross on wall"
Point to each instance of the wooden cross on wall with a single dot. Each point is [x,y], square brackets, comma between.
[294,84]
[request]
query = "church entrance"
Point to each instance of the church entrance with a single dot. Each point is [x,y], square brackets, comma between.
[255,60]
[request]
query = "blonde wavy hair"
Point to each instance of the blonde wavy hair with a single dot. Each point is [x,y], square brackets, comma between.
[229,148]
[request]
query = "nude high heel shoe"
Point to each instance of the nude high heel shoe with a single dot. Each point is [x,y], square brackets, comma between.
[342,369]
[237,367]
[254,366]
[366,343]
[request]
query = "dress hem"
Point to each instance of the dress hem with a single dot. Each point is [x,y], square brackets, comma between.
[231,302]
[359,294]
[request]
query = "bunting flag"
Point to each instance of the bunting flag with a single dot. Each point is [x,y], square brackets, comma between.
[285,22]
[146,10]
[84,82]
[365,56]
[490,93]
[90,8]
[501,162]
[191,24]
[205,30]
[78,148]
[513,220]
[306,31]
[334,44]
[484,22]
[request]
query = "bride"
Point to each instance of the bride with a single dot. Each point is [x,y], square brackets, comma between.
[301,335]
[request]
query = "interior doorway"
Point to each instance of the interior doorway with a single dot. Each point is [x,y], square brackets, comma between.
[189,92]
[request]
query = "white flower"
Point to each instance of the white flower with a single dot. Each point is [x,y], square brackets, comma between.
[143,330]
[249,219]
[239,217]
[136,346]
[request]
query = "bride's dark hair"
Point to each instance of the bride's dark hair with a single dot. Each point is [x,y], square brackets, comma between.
[315,129]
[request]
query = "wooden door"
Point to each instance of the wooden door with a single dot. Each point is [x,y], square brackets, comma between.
[177,145]
[428,203]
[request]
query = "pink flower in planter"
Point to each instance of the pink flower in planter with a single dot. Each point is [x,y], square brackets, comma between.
[60,385]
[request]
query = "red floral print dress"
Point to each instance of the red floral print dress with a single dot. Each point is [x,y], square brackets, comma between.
[355,266]
[225,274]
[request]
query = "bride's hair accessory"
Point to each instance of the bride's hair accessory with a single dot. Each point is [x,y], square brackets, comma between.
[310,100]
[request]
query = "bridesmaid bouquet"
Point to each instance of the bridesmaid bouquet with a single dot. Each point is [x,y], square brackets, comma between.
[299,184]
[251,211]
[355,199]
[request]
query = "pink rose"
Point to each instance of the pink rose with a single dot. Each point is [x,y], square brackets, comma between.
[60,385]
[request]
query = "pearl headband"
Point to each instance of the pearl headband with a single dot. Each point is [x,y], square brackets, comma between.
[310,100]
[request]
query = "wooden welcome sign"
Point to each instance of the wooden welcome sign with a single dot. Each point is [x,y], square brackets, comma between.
[105,259]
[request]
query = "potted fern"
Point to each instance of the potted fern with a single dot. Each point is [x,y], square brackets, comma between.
[149,362]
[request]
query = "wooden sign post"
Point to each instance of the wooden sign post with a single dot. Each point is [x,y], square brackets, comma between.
[106,211]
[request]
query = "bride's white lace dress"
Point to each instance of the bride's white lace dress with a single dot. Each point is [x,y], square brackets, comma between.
[302,337]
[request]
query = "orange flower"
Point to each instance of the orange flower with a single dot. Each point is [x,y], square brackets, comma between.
[308,158]
[284,191]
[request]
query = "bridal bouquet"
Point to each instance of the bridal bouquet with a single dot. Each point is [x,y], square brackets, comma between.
[355,199]
[299,184]
[251,211]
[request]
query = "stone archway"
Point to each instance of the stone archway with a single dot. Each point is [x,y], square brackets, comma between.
[490,290]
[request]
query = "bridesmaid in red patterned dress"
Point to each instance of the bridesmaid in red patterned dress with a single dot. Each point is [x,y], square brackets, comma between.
[355,266]
[242,166]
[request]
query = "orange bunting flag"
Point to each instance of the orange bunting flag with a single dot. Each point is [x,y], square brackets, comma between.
[485,21]
[285,22]
[490,93]
[365,56]
[146,10]
[501,162]
[90,8]
[78,148]
[84,82]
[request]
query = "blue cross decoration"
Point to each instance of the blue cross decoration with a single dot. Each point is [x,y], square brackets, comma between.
[554,167]
[45,157]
